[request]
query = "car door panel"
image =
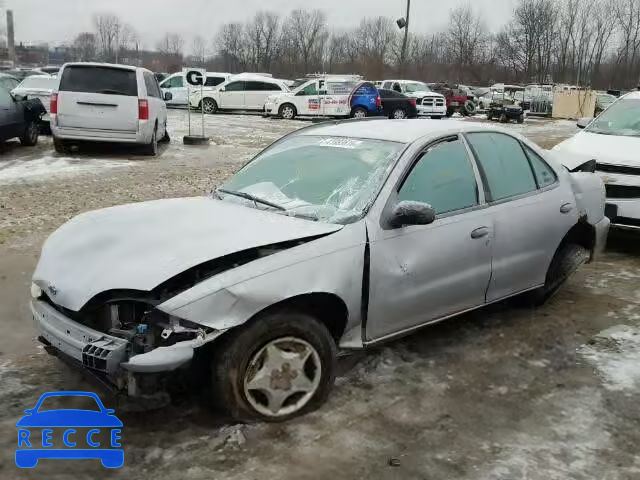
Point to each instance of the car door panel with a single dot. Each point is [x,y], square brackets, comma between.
[232,96]
[422,273]
[529,225]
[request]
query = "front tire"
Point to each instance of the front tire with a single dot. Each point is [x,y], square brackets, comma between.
[504,118]
[287,111]
[29,137]
[209,105]
[278,367]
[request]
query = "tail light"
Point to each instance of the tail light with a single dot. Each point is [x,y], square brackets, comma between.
[143,109]
[378,101]
[53,105]
[413,102]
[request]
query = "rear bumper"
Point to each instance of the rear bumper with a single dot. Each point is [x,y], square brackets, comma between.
[142,135]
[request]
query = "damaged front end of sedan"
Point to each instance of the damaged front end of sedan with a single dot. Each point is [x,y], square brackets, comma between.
[131,338]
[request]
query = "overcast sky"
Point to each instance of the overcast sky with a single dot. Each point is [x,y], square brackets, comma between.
[59,21]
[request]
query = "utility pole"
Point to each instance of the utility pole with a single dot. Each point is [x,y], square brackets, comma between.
[403,53]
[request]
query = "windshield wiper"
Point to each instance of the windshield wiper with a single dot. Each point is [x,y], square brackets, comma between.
[253,198]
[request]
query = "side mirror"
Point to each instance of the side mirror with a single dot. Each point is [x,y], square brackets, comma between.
[583,122]
[29,411]
[412,213]
[168,96]
[18,98]
[221,89]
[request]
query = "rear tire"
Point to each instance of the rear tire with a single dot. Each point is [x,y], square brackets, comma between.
[567,259]
[399,114]
[209,105]
[151,149]
[166,138]
[246,356]
[29,137]
[61,146]
[359,112]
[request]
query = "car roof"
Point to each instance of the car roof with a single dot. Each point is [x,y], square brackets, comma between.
[108,65]
[403,131]
[632,95]
[254,76]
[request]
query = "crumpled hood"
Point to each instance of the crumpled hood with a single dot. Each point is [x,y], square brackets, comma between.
[141,245]
[584,146]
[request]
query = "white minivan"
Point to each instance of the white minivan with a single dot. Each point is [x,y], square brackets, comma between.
[245,91]
[100,102]
[177,85]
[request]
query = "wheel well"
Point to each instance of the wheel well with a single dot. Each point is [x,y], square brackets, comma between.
[582,233]
[290,104]
[328,308]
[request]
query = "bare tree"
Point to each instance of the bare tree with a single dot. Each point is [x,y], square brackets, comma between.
[375,39]
[230,44]
[199,50]
[306,34]
[108,27]
[627,14]
[466,37]
[171,47]
[85,46]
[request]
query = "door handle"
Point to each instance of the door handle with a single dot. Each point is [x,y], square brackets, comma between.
[480,232]
[566,208]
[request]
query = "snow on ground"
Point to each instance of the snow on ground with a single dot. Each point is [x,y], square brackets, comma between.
[49,166]
[615,353]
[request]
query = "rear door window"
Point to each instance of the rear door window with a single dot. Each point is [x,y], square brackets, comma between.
[214,81]
[504,165]
[113,81]
[235,87]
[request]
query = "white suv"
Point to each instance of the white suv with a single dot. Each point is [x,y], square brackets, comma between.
[98,102]
[177,85]
[246,91]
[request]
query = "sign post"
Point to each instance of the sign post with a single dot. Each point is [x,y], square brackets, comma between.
[195,77]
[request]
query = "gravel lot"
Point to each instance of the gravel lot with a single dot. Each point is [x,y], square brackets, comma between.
[503,393]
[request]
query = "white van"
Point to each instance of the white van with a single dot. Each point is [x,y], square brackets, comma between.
[177,85]
[246,91]
[101,102]
[328,96]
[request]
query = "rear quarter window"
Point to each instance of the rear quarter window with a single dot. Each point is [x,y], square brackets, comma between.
[113,81]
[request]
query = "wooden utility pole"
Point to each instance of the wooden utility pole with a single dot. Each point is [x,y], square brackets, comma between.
[403,53]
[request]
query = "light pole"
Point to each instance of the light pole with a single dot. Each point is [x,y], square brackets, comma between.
[404,23]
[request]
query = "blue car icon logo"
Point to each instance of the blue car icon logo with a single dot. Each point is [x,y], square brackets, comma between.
[81,432]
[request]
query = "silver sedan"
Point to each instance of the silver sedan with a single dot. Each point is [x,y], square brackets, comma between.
[338,236]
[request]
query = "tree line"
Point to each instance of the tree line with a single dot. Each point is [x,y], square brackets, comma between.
[584,42]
